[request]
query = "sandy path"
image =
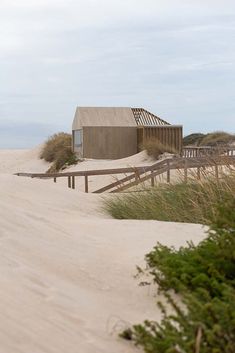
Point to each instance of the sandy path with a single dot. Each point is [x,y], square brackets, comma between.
[67,268]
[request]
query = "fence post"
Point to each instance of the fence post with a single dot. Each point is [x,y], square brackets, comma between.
[168,176]
[136,175]
[198,173]
[69,181]
[86,183]
[73,182]
[185,171]
[216,172]
[152,179]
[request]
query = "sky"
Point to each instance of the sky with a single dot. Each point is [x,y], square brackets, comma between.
[175,58]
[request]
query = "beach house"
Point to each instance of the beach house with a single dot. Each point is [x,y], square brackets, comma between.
[115,132]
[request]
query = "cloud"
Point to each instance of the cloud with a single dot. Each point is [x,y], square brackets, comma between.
[173,57]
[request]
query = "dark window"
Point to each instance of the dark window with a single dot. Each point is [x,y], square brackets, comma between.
[78,138]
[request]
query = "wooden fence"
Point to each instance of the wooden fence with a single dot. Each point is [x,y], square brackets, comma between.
[136,175]
[207,151]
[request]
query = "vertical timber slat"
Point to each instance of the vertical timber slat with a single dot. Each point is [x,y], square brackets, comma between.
[152,180]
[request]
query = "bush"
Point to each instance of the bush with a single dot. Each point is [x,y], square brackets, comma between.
[58,150]
[211,139]
[217,138]
[209,264]
[205,278]
[193,139]
[154,148]
[192,202]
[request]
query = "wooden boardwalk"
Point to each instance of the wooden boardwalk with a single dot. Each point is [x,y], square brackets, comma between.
[137,175]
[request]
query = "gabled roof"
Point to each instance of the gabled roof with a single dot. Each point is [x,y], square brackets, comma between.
[111,116]
[102,116]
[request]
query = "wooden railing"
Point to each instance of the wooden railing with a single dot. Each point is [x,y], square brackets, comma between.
[86,173]
[205,151]
[166,166]
[136,175]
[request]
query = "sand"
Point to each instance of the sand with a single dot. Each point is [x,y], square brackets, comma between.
[67,269]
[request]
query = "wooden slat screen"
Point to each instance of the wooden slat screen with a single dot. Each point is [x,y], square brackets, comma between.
[168,135]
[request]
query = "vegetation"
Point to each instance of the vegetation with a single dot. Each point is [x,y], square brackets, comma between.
[58,150]
[210,139]
[193,139]
[217,138]
[155,148]
[204,277]
[192,202]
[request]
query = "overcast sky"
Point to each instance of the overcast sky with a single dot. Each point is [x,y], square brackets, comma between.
[175,58]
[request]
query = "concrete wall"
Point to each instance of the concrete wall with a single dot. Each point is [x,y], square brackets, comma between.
[101,142]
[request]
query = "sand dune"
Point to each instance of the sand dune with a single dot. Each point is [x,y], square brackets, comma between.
[67,268]
[12,161]
[28,161]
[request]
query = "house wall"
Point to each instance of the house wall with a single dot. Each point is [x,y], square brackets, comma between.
[170,135]
[101,142]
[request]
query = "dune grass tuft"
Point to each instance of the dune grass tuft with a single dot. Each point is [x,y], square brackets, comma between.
[192,202]
[58,150]
[217,138]
[155,148]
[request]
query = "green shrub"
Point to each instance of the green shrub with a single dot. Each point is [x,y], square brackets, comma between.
[205,278]
[155,148]
[58,149]
[192,202]
[211,139]
[207,326]
[193,139]
[209,264]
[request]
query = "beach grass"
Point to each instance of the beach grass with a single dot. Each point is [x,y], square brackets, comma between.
[192,202]
[58,150]
[155,148]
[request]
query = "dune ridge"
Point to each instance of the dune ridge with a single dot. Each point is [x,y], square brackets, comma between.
[67,268]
